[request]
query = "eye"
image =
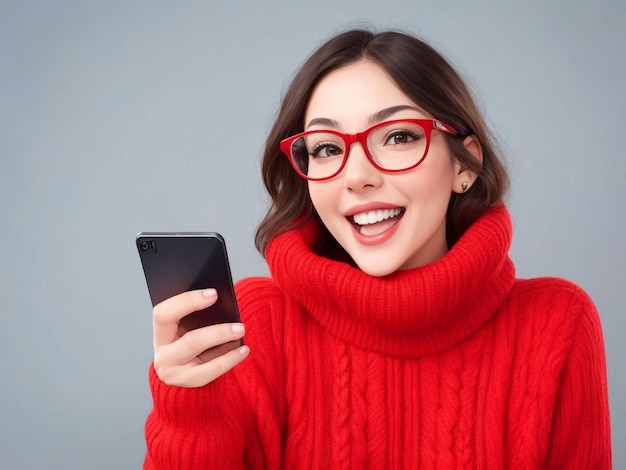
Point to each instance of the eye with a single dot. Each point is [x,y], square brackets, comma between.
[325,150]
[402,137]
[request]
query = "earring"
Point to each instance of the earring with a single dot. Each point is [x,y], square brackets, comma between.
[464,186]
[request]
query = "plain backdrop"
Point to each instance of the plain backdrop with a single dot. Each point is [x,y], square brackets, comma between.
[123,116]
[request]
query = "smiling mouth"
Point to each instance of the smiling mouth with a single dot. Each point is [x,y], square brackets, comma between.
[375,222]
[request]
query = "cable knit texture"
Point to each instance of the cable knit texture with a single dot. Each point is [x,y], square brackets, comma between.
[454,365]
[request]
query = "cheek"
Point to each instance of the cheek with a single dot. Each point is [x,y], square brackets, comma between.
[319,196]
[426,182]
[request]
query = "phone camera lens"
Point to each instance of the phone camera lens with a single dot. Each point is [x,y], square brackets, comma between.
[147,246]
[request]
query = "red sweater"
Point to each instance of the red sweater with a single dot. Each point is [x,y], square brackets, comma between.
[454,365]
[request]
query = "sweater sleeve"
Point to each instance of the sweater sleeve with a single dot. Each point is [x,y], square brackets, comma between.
[580,437]
[235,422]
[194,427]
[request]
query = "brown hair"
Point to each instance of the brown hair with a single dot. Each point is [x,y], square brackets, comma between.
[429,81]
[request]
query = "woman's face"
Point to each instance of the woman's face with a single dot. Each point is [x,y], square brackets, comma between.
[413,203]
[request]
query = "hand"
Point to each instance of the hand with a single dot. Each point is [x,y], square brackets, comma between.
[181,358]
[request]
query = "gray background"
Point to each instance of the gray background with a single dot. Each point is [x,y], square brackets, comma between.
[117,117]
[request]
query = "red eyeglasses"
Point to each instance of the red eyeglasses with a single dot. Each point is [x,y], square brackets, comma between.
[391,146]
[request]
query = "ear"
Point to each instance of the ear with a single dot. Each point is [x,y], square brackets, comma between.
[464,177]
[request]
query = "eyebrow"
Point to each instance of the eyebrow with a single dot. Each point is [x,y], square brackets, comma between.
[378,116]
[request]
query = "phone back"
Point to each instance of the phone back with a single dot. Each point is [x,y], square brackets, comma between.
[177,262]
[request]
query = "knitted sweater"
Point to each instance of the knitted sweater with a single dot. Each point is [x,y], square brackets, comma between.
[453,365]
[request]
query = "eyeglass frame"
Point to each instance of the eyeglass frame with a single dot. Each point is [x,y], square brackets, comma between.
[361,137]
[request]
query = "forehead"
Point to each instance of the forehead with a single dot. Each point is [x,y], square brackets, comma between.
[354,92]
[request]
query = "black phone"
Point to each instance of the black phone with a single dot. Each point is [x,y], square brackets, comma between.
[177,262]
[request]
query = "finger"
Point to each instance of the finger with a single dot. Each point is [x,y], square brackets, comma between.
[195,342]
[167,314]
[202,374]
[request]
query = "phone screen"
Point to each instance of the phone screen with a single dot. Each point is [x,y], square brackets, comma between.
[177,262]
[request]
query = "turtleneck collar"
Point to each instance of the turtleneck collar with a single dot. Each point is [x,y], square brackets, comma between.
[407,313]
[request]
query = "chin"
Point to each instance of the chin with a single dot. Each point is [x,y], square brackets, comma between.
[375,261]
[376,269]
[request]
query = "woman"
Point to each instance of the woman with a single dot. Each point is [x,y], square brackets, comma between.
[393,333]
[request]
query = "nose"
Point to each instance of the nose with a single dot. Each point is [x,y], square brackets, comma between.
[359,173]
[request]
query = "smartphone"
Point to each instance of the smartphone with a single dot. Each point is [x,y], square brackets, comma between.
[177,262]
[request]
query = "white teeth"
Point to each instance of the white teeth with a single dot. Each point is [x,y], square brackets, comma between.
[373,217]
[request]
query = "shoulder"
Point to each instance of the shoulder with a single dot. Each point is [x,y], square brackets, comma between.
[553,309]
[551,292]
[258,296]
[262,307]
[257,288]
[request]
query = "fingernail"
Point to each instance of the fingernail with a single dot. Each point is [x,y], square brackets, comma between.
[209,293]
[238,328]
[244,350]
